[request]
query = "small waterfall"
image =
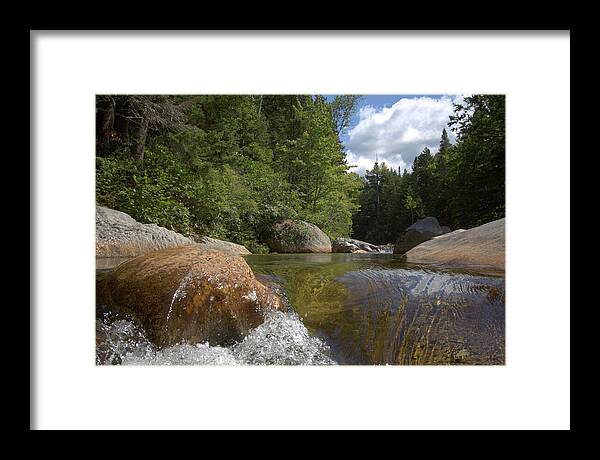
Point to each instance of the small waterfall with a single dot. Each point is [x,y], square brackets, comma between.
[178,294]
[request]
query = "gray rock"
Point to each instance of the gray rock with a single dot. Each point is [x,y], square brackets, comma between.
[120,237]
[223,246]
[479,247]
[417,233]
[297,236]
[350,245]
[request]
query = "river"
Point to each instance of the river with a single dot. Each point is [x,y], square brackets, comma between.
[346,309]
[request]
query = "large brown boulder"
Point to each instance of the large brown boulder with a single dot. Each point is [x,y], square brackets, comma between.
[417,233]
[297,236]
[481,247]
[188,294]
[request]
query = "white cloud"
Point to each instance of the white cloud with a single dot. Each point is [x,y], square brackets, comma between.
[399,133]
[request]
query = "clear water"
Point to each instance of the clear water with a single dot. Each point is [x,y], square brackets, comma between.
[346,309]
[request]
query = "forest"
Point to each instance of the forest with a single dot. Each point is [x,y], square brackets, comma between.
[229,166]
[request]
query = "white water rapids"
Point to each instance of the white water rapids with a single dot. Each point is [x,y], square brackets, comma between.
[281,340]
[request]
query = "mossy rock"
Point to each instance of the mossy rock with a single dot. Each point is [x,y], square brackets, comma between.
[297,236]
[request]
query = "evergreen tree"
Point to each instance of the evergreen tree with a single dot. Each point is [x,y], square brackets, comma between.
[477,170]
[462,185]
[444,142]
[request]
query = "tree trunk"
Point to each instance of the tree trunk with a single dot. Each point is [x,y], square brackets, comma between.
[107,123]
[139,140]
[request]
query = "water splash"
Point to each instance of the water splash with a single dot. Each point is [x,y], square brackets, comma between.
[118,338]
[184,354]
[281,339]
[178,294]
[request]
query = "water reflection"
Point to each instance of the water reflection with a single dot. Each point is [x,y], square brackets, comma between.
[375,309]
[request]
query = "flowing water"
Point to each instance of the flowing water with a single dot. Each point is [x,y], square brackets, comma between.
[346,309]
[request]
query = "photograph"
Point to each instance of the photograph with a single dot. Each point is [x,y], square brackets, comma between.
[300,229]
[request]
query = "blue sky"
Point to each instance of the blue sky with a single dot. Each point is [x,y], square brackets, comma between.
[396,128]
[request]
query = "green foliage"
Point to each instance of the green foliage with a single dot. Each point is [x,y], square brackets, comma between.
[342,109]
[414,205]
[234,167]
[152,195]
[314,166]
[231,166]
[477,172]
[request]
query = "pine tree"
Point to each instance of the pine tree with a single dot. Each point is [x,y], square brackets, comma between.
[444,142]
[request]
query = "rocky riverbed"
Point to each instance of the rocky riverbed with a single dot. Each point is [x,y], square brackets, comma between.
[184,301]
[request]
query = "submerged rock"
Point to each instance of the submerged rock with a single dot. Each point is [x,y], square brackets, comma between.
[297,236]
[349,245]
[417,233]
[188,294]
[481,246]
